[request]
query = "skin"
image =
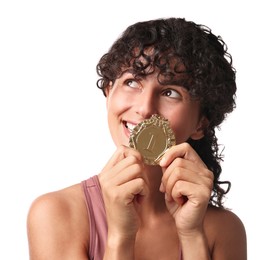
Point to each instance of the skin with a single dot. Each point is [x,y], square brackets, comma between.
[151,210]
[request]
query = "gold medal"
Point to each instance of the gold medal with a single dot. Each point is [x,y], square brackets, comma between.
[152,138]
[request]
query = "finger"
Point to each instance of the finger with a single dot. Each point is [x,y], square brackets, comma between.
[124,171]
[180,166]
[177,164]
[188,176]
[183,150]
[121,153]
[127,169]
[196,194]
[180,173]
[132,189]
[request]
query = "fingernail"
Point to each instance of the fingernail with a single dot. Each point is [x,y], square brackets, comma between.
[162,162]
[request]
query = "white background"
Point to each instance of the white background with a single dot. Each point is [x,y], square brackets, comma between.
[53,130]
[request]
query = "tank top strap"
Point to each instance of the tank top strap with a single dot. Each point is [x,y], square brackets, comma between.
[97,217]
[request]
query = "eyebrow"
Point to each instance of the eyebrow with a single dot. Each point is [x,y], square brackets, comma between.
[130,71]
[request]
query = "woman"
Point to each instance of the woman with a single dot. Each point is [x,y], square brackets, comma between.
[173,209]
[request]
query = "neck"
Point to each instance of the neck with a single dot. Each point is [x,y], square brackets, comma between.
[153,206]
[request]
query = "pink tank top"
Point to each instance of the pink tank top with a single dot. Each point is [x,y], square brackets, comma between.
[97,218]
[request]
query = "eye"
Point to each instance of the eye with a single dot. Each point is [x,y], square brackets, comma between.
[132,83]
[172,93]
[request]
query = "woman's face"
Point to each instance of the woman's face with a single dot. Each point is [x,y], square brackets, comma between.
[130,100]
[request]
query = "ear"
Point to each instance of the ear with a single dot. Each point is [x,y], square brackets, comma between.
[200,130]
[107,89]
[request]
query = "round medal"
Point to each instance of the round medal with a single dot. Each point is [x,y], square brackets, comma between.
[152,138]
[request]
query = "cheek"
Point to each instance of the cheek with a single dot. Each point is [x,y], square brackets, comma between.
[184,124]
[181,132]
[178,126]
[115,103]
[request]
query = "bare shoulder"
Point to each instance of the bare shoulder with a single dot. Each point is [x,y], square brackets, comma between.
[57,225]
[226,234]
[67,197]
[59,205]
[222,219]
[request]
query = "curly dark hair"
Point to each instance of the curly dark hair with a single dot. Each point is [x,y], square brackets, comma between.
[187,54]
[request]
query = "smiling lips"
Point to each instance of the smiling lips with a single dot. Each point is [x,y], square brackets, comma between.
[129,126]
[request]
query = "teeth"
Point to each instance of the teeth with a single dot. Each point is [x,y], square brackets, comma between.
[130,126]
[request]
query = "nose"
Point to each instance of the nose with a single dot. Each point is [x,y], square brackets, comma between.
[147,104]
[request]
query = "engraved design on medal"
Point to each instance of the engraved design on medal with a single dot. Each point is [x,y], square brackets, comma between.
[152,138]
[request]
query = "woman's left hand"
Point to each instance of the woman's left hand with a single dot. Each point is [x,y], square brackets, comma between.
[187,184]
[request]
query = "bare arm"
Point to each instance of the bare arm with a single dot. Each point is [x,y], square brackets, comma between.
[195,246]
[119,248]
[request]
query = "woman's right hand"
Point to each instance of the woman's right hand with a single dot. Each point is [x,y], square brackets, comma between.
[124,188]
